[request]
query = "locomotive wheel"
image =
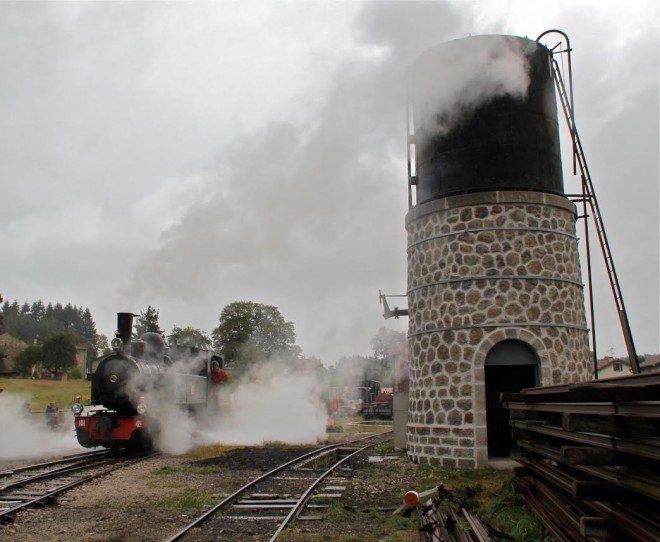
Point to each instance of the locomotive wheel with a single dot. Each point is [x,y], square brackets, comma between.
[139,442]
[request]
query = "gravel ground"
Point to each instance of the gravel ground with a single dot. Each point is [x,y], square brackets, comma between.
[154,499]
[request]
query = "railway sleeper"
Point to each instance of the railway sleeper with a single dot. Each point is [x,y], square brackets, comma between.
[255,518]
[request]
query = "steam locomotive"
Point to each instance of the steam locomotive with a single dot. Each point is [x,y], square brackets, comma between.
[137,381]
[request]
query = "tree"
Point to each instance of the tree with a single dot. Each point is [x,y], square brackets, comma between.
[253,328]
[59,353]
[189,336]
[35,321]
[87,325]
[38,311]
[70,317]
[27,359]
[389,347]
[147,322]
[101,345]
[352,370]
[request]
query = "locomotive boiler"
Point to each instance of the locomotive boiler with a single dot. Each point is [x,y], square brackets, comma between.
[134,384]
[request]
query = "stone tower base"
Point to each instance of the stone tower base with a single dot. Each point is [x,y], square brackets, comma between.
[485,268]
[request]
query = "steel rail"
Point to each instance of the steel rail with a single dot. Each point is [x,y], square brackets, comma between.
[235,496]
[640,483]
[552,511]
[302,501]
[629,521]
[54,462]
[67,469]
[625,380]
[639,528]
[649,448]
[637,409]
[7,515]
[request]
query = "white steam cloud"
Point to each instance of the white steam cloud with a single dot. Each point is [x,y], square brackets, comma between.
[26,435]
[455,78]
[299,206]
[274,402]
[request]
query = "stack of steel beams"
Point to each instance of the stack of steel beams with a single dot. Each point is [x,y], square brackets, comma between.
[590,456]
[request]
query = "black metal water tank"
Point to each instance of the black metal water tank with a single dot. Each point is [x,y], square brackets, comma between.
[471,132]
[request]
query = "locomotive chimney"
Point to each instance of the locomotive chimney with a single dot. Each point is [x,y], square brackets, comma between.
[125,326]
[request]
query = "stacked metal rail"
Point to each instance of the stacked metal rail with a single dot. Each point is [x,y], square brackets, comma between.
[591,457]
[446,519]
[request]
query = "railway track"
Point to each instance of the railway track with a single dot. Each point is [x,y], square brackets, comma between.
[266,505]
[40,483]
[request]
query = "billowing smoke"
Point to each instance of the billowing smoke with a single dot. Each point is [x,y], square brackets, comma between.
[306,213]
[26,435]
[452,80]
[275,401]
[176,427]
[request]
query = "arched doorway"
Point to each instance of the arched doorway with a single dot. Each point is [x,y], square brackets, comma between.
[510,366]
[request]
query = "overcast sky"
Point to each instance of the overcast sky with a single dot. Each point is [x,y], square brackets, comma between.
[188,155]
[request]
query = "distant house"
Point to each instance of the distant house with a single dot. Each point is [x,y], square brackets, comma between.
[650,363]
[11,347]
[81,363]
[81,359]
[609,367]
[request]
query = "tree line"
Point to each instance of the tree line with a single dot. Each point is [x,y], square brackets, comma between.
[248,333]
[35,321]
[53,333]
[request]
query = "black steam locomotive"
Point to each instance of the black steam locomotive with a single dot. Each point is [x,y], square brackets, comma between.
[137,380]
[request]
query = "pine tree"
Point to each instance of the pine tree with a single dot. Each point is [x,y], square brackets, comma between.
[147,322]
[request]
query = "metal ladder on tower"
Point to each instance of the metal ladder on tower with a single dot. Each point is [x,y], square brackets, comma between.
[590,195]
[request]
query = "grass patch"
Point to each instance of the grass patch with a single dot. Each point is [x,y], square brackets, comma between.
[164,471]
[376,526]
[188,498]
[488,493]
[298,534]
[391,523]
[277,445]
[490,481]
[508,512]
[166,485]
[41,392]
[357,424]
[209,452]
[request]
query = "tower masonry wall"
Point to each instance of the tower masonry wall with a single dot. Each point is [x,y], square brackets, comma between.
[483,268]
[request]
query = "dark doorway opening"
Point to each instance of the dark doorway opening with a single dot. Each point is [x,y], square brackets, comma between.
[510,366]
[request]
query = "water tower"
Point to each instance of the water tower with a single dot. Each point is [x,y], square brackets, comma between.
[495,294]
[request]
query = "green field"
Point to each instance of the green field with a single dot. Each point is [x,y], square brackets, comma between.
[41,392]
